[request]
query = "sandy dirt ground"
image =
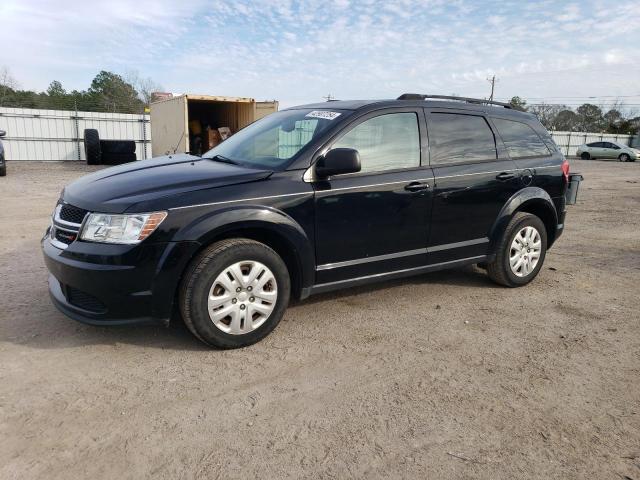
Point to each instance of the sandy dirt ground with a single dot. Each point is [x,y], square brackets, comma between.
[439,376]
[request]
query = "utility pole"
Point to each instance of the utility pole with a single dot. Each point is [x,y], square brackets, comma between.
[329,97]
[492,81]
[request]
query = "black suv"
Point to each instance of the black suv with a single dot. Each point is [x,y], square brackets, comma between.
[307,200]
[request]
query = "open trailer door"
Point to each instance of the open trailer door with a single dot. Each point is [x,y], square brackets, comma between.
[169,132]
[265,108]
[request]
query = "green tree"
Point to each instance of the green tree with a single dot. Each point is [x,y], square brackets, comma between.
[614,121]
[518,103]
[111,93]
[56,97]
[567,121]
[55,89]
[590,118]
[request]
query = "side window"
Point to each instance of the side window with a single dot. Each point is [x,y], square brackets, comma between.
[613,145]
[386,142]
[460,138]
[593,144]
[520,139]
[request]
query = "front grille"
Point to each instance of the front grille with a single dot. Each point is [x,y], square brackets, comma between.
[72,214]
[84,301]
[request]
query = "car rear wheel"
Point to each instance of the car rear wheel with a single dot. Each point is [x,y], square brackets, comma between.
[624,157]
[520,252]
[234,293]
[3,171]
[585,156]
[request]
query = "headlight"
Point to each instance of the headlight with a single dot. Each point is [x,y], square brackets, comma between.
[125,229]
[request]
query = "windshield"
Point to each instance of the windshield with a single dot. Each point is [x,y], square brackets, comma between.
[273,141]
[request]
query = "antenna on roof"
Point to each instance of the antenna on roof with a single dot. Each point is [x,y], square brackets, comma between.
[329,97]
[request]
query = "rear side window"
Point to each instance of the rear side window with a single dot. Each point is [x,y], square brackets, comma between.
[386,142]
[520,139]
[455,138]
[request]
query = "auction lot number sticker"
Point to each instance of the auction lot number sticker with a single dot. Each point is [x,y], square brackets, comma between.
[327,115]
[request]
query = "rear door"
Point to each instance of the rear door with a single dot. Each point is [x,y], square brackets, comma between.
[376,220]
[473,180]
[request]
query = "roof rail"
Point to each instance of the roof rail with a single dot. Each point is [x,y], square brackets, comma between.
[418,96]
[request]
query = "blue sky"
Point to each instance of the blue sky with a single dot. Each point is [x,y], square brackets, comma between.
[297,52]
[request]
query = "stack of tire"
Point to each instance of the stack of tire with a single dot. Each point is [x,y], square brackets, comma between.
[107,152]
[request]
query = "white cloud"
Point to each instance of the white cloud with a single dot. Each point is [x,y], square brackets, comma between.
[613,57]
[496,20]
[570,14]
[299,51]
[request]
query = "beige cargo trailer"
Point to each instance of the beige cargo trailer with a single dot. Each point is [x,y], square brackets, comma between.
[191,123]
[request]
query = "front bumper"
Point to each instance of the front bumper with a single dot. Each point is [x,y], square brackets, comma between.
[103,284]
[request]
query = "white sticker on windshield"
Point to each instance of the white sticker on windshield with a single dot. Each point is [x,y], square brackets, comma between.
[323,114]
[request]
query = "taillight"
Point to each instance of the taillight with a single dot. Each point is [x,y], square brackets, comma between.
[565,170]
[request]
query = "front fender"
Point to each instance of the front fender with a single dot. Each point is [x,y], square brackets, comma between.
[206,228]
[528,199]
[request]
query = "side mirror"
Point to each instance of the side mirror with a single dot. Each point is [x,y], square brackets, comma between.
[2,133]
[338,161]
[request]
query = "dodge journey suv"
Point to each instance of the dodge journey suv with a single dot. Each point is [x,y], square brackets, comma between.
[309,199]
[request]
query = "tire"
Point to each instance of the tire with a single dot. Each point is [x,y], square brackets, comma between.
[624,157]
[92,150]
[500,270]
[204,280]
[117,146]
[117,158]
[585,156]
[3,171]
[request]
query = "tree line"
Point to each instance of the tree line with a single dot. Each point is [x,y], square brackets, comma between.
[587,117]
[108,92]
[111,92]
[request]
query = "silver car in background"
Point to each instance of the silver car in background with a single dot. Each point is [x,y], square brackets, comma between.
[623,153]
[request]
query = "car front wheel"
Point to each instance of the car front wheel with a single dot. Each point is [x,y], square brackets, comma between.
[624,157]
[234,293]
[585,156]
[520,252]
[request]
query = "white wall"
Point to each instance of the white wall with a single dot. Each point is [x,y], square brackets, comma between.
[58,134]
[570,141]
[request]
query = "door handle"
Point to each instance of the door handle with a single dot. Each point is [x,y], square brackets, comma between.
[505,176]
[416,186]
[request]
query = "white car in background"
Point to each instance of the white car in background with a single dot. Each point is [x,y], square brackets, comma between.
[623,153]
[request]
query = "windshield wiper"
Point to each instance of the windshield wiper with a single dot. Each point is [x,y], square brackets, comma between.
[221,159]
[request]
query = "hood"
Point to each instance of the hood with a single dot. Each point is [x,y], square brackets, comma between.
[114,189]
